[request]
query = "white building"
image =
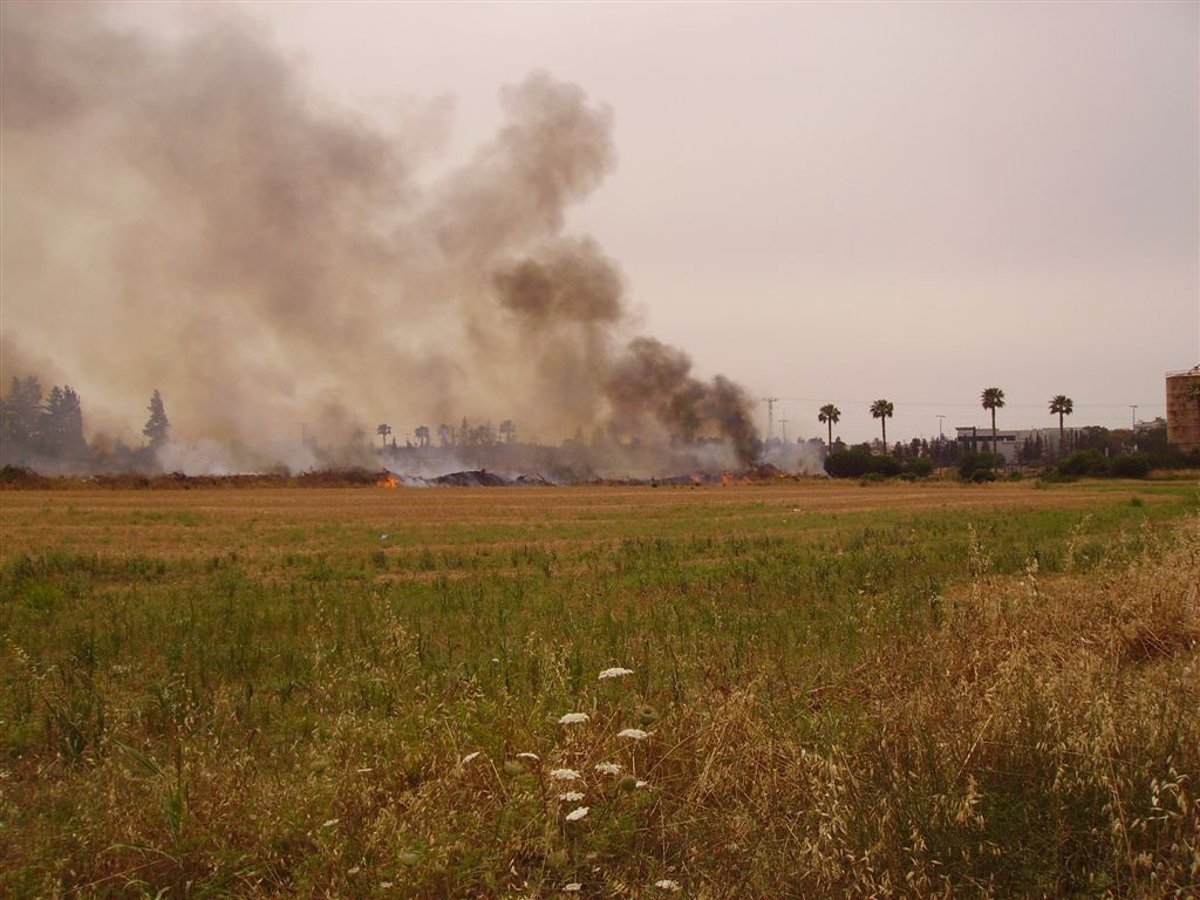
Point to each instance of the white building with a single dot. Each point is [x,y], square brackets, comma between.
[1009,443]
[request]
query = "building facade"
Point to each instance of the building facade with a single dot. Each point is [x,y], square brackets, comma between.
[1009,443]
[1183,409]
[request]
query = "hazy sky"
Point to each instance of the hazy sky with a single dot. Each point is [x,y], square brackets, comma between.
[836,202]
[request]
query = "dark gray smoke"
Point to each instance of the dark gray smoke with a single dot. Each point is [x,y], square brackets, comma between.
[187,215]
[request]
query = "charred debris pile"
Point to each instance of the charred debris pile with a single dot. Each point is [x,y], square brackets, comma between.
[17,478]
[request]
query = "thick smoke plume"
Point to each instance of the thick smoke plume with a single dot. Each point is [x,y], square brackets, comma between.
[185,215]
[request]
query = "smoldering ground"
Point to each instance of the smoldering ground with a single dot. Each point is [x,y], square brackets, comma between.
[186,214]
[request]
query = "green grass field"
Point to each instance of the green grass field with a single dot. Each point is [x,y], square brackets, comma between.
[986,690]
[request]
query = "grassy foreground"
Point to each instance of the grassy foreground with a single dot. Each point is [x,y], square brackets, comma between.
[843,690]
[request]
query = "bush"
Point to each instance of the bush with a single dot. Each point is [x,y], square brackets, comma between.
[973,462]
[887,466]
[1084,462]
[856,463]
[848,463]
[921,467]
[1131,465]
[979,476]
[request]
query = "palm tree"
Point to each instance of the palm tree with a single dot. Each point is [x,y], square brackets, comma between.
[993,399]
[1061,405]
[383,431]
[422,435]
[830,415]
[882,410]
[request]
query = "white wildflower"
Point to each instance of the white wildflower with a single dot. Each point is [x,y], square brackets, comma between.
[571,796]
[564,774]
[577,813]
[666,884]
[470,756]
[573,888]
[329,823]
[615,672]
[641,784]
[385,884]
[354,870]
[573,719]
[532,757]
[634,734]
[608,768]
[383,537]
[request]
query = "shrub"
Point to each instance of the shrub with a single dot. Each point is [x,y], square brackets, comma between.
[921,467]
[848,463]
[1084,462]
[973,462]
[887,466]
[1131,465]
[856,463]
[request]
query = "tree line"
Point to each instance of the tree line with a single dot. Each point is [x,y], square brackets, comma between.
[1092,450]
[38,427]
[465,435]
[991,400]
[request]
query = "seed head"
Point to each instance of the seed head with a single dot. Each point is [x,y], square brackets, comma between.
[615,672]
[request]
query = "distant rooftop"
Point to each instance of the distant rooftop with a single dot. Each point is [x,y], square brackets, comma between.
[1194,370]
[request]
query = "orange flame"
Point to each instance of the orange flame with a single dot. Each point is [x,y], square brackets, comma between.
[388,481]
[726,479]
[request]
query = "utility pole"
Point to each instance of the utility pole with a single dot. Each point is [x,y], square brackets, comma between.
[1133,425]
[941,433]
[783,424]
[770,401]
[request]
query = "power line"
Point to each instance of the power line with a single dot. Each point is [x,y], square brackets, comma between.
[976,405]
[770,401]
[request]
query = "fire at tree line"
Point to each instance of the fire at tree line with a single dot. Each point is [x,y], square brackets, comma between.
[43,432]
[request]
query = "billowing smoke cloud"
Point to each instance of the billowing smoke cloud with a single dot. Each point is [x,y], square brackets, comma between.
[184,215]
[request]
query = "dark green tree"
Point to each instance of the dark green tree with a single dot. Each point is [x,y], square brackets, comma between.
[993,399]
[882,410]
[1061,405]
[829,415]
[22,419]
[158,427]
[62,424]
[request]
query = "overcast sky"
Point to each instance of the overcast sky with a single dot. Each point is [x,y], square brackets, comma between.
[838,202]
